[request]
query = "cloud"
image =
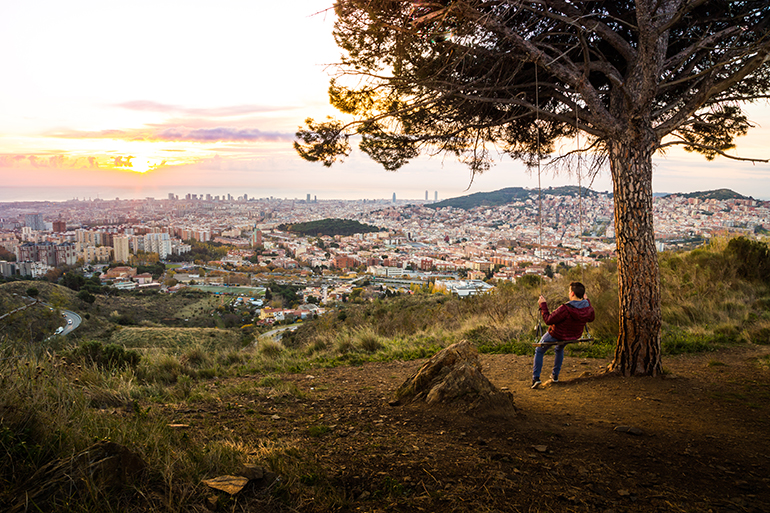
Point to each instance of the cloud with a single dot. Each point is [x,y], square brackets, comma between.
[220,134]
[228,111]
[179,134]
[59,161]
[123,161]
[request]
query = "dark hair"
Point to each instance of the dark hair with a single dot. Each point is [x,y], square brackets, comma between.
[578,289]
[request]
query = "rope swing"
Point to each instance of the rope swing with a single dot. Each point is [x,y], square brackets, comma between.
[540,328]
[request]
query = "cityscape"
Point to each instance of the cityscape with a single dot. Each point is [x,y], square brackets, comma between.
[463,250]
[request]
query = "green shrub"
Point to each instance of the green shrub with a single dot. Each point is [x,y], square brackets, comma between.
[368,340]
[162,369]
[678,341]
[109,356]
[758,334]
[319,430]
[751,258]
[125,320]
[270,347]
[196,356]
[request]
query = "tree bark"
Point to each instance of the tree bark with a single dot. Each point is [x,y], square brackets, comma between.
[638,347]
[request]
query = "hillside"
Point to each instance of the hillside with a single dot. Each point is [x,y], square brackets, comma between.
[512,194]
[508,195]
[315,411]
[329,227]
[717,194]
[39,320]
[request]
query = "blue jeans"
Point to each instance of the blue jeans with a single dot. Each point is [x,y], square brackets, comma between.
[540,352]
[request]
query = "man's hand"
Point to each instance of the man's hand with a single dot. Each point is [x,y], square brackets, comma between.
[541,300]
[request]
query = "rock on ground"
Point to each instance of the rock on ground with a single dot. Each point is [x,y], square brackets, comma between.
[453,376]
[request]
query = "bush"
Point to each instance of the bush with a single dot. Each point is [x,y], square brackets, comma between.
[125,320]
[751,258]
[163,369]
[270,347]
[109,356]
[86,296]
[678,341]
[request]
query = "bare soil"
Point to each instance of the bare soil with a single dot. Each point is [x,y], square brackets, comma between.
[703,444]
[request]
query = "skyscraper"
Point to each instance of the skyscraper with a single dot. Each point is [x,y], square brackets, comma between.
[394,197]
[426,195]
[120,245]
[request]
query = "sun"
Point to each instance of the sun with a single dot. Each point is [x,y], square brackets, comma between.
[142,164]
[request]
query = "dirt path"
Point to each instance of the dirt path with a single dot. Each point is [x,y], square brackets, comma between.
[702,445]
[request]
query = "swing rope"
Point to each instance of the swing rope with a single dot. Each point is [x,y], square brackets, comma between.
[587,336]
[539,188]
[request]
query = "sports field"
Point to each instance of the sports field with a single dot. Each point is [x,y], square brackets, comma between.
[235,291]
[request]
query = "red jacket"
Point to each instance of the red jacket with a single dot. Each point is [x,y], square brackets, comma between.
[569,320]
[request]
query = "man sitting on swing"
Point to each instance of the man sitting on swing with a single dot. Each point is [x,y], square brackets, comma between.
[565,324]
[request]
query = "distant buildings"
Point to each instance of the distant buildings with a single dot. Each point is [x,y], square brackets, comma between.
[59,226]
[48,253]
[34,221]
[120,246]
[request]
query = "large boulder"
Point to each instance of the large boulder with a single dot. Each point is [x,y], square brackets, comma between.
[453,376]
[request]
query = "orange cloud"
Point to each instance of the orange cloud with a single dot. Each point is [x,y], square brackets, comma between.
[180,134]
[123,161]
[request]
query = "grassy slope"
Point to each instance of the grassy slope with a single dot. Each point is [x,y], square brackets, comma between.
[51,407]
[38,322]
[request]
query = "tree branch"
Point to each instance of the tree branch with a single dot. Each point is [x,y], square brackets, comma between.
[682,142]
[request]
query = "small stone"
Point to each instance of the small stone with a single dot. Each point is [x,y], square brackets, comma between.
[276,417]
[630,430]
[540,448]
[252,472]
[624,493]
[228,484]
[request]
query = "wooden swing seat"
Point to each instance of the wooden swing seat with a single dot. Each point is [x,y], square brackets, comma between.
[563,342]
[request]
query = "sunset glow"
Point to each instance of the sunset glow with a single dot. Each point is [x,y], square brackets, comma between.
[213,99]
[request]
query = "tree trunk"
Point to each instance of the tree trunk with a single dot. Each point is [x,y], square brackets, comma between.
[638,346]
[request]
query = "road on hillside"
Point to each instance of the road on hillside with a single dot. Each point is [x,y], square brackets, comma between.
[72,319]
[277,333]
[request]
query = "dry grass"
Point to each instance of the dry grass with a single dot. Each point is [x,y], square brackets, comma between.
[174,338]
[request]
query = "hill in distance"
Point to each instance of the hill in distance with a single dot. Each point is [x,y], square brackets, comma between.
[717,194]
[513,194]
[508,195]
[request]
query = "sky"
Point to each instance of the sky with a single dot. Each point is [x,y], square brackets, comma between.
[146,98]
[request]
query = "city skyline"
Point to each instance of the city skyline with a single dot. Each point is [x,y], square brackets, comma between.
[149,99]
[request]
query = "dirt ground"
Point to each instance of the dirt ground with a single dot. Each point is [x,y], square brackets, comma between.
[700,441]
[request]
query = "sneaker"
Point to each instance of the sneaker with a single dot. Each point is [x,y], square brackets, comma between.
[554,379]
[535,382]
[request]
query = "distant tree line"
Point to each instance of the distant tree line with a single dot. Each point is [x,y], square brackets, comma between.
[201,251]
[329,227]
